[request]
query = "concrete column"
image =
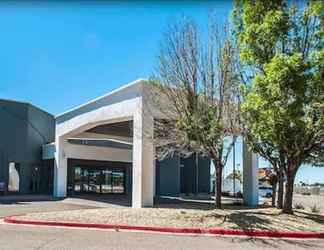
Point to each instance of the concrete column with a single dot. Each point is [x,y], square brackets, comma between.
[250,177]
[154,172]
[60,169]
[143,159]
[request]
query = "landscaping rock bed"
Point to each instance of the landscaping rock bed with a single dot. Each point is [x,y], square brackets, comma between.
[261,218]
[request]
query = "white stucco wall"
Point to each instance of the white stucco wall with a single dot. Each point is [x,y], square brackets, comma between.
[130,102]
[85,152]
[119,105]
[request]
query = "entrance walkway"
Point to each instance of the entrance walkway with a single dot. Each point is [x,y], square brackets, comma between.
[25,198]
[22,204]
[100,200]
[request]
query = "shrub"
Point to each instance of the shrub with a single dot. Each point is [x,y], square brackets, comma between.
[315,209]
[299,206]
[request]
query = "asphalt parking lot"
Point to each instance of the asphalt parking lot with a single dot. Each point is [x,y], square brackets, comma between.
[40,237]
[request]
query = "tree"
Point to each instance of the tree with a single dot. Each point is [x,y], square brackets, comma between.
[281,47]
[236,174]
[317,157]
[273,180]
[200,83]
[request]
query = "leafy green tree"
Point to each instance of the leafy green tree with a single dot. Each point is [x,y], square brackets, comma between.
[281,50]
[317,157]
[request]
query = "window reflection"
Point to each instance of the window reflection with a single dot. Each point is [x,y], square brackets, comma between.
[13,183]
[102,180]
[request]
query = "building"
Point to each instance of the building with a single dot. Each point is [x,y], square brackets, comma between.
[24,128]
[177,175]
[106,146]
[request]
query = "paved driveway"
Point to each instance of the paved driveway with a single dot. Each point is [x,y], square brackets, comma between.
[14,237]
[39,206]
[14,205]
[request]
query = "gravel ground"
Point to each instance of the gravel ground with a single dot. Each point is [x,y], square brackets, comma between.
[262,218]
[309,201]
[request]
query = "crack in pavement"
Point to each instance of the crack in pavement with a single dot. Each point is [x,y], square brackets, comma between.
[47,242]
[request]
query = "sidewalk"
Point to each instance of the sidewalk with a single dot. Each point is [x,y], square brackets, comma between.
[26,198]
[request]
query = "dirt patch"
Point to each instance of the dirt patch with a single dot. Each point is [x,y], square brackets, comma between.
[262,218]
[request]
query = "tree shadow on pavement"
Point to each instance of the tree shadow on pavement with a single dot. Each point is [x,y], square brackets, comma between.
[314,217]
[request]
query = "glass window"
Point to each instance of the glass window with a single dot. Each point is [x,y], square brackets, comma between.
[102,180]
[77,179]
[13,183]
[107,181]
[118,182]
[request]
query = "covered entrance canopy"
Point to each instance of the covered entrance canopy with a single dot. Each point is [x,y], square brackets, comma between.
[122,121]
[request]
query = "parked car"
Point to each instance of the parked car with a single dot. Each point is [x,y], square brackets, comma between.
[265,191]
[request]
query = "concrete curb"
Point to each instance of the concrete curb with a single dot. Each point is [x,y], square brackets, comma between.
[176,230]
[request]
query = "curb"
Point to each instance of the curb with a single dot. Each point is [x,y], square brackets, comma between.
[175,230]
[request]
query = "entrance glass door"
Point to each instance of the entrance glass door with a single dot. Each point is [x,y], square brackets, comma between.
[94,181]
[107,181]
[101,180]
[118,182]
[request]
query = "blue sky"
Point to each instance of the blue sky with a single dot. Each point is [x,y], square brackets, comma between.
[306,173]
[58,55]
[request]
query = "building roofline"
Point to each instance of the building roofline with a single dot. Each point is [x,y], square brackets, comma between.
[103,96]
[26,103]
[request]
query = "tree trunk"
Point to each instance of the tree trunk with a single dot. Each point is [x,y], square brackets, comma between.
[280,189]
[218,184]
[274,192]
[287,207]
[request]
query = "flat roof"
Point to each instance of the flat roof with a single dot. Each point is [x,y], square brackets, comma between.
[103,96]
[82,105]
[26,103]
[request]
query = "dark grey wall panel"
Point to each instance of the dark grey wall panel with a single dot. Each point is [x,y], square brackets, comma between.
[13,129]
[23,130]
[40,130]
[168,176]
[13,137]
[188,175]
[191,175]
[204,175]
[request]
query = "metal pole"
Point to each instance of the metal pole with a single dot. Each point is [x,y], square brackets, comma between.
[234,194]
